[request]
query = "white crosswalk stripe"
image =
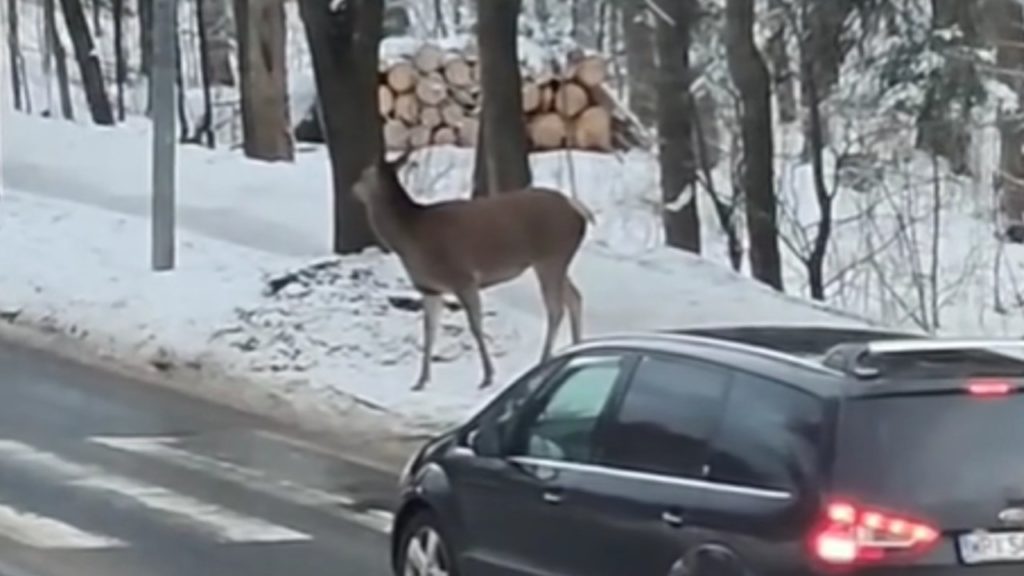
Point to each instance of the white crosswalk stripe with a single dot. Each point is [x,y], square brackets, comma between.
[220,523]
[38,531]
[166,449]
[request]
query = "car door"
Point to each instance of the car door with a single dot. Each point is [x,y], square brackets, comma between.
[515,508]
[652,457]
[765,461]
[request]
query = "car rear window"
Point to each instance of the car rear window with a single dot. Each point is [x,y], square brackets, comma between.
[953,455]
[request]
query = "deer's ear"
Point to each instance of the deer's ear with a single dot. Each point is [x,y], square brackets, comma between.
[395,163]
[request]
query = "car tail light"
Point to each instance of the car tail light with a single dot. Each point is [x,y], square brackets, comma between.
[989,388]
[851,534]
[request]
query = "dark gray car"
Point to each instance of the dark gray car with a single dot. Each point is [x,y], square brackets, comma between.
[704,456]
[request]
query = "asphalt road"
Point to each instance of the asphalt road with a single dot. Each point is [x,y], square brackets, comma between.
[101,476]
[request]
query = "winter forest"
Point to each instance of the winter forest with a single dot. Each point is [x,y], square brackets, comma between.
[864,154]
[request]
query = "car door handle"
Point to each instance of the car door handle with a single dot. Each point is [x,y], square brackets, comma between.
[552,497]
[672,518]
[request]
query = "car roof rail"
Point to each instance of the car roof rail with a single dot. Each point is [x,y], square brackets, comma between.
[871,359]
[805,340]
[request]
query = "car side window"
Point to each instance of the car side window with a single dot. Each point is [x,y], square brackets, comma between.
[770,435]
[563,426]
[503,411]
[668,415]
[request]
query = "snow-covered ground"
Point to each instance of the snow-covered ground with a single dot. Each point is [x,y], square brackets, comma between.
[256,294]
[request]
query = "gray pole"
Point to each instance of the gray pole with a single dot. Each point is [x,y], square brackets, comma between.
[164,24]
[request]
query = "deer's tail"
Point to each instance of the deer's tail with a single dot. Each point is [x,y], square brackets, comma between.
[578,206]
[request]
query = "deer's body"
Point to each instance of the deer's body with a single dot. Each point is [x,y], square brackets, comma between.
[463,246]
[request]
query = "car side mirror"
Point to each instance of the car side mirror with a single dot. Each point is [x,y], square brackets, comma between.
[485,441]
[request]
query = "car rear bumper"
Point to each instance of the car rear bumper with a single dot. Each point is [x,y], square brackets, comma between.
[992,570]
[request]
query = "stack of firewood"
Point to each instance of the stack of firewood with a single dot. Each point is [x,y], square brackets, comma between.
[432,97]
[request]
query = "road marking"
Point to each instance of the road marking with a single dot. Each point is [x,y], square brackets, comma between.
[163,448]
[222,524]
[37,531]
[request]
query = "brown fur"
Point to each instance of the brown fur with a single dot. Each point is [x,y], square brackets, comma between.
[463,246]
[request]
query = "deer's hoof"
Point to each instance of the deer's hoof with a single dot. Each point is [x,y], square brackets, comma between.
[486,383]
[419,386]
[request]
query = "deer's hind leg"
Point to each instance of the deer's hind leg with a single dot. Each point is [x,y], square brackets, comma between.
[574,304]
[553,288]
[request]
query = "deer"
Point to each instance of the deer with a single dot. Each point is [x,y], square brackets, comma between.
[461,247]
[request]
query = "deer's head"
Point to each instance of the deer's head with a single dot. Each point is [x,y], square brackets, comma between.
[379,180]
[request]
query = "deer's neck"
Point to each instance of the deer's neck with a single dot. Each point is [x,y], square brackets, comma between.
[392,217]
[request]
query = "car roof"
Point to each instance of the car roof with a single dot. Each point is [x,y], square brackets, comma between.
[825,360]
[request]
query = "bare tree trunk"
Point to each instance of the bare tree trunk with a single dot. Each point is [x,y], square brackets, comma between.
[750,75]
[441,27]
[60,57]
[504,144]
[179,84]
[675,127]
[97,20]
[815,261]
[14,51]
[585,24]
[778,56]
[204,130]
[266,126]
[344,47]
[941,129]
[1003,24]
[642,73]
[216,20]
[146,36]
[121,69]
[88,62]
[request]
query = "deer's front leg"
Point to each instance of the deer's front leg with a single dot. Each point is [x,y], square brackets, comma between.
[431,316]
[470,300]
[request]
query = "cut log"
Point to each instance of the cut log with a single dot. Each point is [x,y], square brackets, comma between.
[469,132]
[419,137]
[429,58]
[445,136]
[430,116]
[593,130]
[531,97]
[458,72]
[385,100]
[401,77]
[474,73]
[431,90]
[590,71]
[407,109]
[547,98]
[467,97]
[547,131]
[396,135]
[627,130]
[452,113]
[571,99]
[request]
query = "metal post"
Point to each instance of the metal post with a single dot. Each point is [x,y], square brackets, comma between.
[164,24]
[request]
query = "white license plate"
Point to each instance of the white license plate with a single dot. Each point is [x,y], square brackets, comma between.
[984,547]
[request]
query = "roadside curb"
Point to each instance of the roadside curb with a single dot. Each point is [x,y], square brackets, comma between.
[353,430]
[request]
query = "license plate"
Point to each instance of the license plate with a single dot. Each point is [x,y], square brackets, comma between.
[984,547]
